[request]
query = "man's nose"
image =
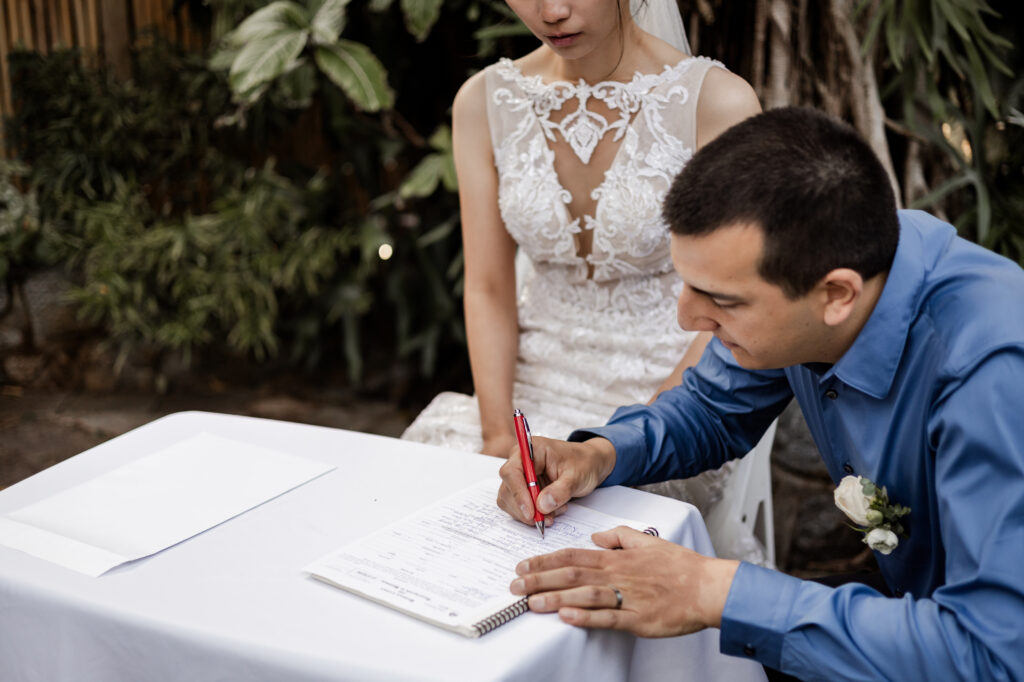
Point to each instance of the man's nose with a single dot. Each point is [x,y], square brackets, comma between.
[693,312]
[554,11]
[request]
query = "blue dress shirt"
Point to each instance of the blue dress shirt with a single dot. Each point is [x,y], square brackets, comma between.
[929,402]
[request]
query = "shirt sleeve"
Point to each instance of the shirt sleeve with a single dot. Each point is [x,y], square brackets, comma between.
[718,412]
[970,628]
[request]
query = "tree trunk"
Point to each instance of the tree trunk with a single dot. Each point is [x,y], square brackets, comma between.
[779,91]
[863,98]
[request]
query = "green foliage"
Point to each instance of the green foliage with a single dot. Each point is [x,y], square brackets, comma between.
[271,42]
[435,168]
[273,200]
[420,16]
[19,218]
[82,132]
[181,284]
[353,68]
[947,62]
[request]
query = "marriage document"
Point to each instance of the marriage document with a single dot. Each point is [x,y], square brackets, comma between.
[451,563]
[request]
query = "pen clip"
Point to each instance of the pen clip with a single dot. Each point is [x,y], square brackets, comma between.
[529,436]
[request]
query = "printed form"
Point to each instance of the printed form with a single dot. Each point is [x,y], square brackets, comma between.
[451,563]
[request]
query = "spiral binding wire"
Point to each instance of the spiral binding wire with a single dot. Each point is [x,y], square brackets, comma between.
[500,618]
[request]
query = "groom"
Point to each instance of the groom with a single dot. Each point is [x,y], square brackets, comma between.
[904,346]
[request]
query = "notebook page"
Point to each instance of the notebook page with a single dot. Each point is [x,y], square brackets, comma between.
[451,563]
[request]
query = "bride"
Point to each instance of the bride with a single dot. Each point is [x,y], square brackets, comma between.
[566,154]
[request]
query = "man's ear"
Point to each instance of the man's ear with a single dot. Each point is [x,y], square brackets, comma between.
[841,289]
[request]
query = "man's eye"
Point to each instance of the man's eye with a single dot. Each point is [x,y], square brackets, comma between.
[724,304]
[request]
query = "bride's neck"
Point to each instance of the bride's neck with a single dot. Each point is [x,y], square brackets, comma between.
[617,61]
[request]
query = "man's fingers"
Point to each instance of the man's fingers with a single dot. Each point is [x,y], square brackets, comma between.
[555,496]
[585,596]
[623,537]
[611,619]
[582,558]
[513,495]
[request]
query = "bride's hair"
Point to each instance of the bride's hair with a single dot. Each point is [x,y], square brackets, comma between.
[659,18]
[618,18]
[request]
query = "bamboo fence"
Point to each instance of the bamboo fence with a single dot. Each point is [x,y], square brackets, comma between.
[104,31]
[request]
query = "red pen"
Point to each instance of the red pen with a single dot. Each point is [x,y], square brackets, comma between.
[526,453]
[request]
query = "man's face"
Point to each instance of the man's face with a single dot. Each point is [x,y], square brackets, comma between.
[724,294]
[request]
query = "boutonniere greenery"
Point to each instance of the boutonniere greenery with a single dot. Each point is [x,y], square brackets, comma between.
[867,505]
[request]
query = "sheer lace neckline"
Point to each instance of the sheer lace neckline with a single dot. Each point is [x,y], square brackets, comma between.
[640,82]
[583,129]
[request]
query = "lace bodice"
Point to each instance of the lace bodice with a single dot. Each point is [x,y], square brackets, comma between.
[655,130]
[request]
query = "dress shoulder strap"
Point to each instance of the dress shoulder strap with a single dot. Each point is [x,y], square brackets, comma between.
[508,107]
[691,75]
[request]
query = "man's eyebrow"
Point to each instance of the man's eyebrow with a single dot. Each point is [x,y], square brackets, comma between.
[716,295]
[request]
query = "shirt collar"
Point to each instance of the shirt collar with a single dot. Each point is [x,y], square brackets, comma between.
[871,363]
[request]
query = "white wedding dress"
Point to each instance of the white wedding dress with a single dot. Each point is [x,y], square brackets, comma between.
[596,331]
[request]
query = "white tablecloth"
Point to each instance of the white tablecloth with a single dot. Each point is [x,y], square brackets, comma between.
[234,604]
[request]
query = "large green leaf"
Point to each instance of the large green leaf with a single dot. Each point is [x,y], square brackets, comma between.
[223,58]
[448,175]
[420,16]
[422,180]
[441,139]
[354,68]
[267,58]
[328,21]
[278,16]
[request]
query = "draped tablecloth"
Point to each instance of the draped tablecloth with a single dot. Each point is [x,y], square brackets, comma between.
[233,603]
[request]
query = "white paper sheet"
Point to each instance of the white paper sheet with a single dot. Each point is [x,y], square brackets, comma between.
[154,502]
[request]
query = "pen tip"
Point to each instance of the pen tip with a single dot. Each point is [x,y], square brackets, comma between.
[540,527]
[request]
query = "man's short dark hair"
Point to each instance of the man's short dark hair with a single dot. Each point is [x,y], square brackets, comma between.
[814,187]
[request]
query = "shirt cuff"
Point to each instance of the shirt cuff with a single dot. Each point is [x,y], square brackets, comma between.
[630,450]
[756,614]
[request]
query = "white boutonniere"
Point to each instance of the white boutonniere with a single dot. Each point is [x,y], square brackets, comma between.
[868,507]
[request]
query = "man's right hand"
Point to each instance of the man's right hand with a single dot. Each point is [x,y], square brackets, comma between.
[570,469]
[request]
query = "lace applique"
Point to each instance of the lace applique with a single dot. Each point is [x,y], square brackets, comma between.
[583,129]
[654,129]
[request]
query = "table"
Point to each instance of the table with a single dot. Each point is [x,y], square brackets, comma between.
[234,604]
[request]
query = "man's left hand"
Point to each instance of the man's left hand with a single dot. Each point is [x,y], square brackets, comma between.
[666,590]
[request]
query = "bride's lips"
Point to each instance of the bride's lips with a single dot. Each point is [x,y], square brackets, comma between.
[563,39]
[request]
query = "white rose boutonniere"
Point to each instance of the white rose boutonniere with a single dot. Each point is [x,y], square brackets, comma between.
[868,507]
[852,501]
[881,540]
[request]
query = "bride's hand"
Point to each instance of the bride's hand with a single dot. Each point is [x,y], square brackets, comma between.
[500,446]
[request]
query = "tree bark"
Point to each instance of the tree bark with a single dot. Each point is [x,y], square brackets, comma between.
[865,103]
[761,29]
[779,92]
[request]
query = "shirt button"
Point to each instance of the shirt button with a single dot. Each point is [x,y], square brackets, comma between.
[749,650]
[831,394]
[848,468]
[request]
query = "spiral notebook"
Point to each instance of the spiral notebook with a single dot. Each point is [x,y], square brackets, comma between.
[450,564]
